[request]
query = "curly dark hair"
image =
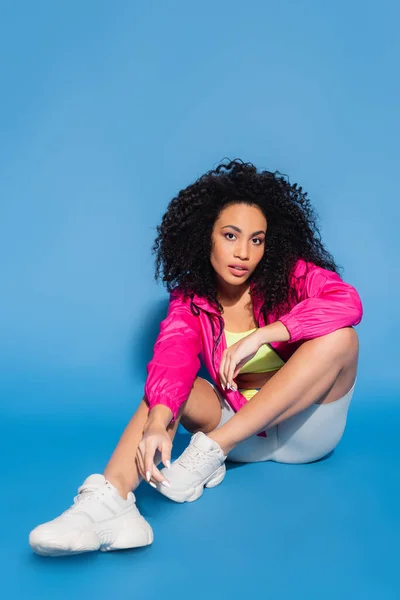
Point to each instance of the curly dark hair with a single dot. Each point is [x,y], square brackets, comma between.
[183,243]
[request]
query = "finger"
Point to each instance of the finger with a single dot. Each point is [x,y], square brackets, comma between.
[237,370]
[157,457]
[149,460]
[226,371]
[153,475]
[231,369]
[141,470]
[142,452]
[140,460]
[158,477]
[221,371]
[166,454]
[144,472]
[140,465]
[240,364]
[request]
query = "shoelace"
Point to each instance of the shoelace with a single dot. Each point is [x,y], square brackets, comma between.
[87,492]
[192,457]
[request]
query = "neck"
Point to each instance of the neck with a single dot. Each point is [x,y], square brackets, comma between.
[232,294]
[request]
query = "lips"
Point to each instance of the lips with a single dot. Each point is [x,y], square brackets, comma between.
[238,267]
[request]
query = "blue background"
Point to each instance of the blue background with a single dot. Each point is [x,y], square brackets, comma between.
[107,110]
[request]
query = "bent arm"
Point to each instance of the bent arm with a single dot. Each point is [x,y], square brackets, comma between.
[328,304]
[172,370]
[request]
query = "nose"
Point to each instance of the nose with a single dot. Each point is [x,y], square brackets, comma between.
[242,251]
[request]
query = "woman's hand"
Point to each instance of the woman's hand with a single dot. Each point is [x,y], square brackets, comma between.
[155,438]
[236,356]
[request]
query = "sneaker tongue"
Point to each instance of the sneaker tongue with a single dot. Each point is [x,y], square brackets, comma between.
[204,443]
[95,480]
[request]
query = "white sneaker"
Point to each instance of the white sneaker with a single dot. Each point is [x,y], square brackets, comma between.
[202,464]
[99,519]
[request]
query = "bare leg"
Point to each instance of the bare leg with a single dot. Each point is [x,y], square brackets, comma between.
[200,412]
[322,370]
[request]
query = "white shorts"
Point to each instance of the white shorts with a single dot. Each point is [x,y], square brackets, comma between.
[305,437]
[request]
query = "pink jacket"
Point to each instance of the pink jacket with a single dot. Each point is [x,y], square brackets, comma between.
[324,304]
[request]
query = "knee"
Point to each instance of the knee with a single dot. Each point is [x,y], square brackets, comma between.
[202,410]
[342,343]
[347,343]
[198,383]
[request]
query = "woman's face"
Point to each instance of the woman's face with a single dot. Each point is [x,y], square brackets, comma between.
[238,239]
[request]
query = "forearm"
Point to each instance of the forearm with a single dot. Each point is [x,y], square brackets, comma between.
[160,414]
[275,332]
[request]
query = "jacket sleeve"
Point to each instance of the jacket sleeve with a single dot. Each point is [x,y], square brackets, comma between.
[172,370]
[326,304]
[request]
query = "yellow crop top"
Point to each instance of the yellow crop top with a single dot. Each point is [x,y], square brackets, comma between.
[265,360]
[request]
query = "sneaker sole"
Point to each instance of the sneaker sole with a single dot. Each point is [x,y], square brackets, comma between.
[194,493]
[90,541]
[124,539]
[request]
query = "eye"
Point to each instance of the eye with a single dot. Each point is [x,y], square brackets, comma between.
[261,240]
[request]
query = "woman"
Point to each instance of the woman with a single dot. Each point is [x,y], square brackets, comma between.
[255,294]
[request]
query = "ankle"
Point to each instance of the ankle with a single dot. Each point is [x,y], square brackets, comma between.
[215,436]
[120,484]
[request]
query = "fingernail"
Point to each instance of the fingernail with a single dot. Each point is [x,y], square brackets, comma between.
[152,484]
[168,464]
[166,484]
[148,475]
